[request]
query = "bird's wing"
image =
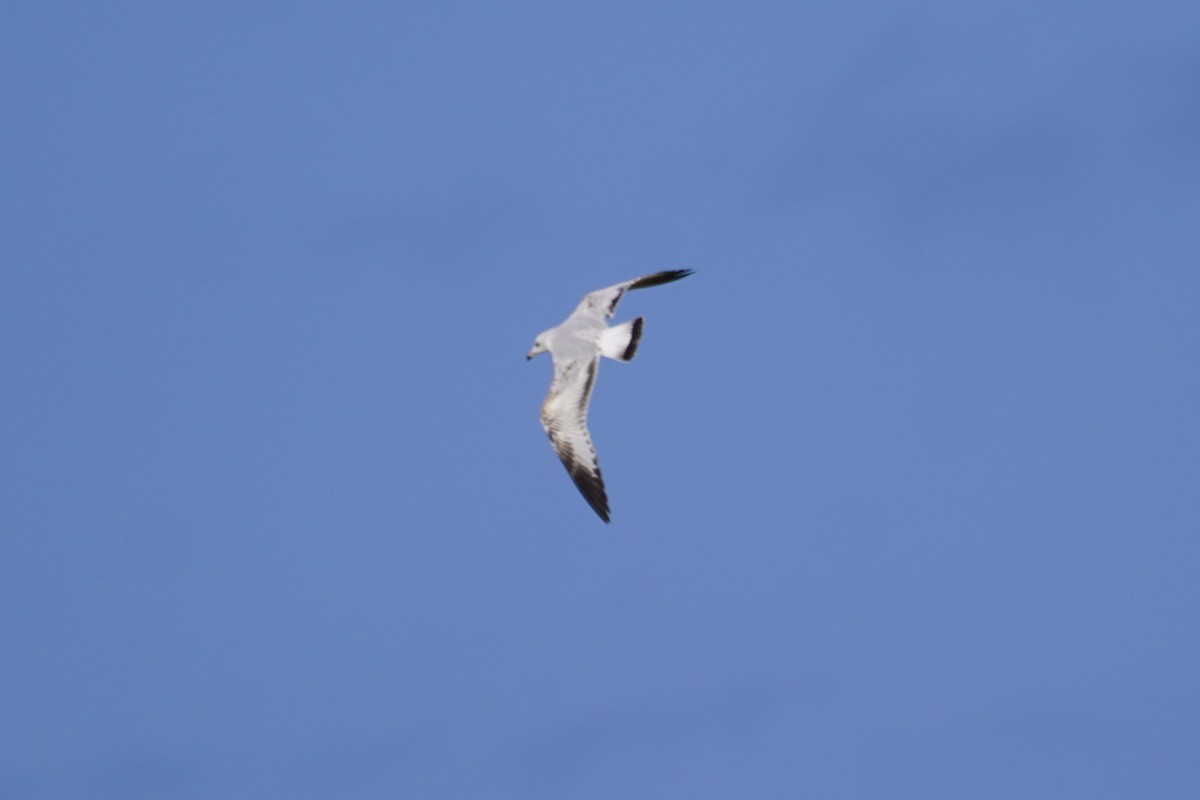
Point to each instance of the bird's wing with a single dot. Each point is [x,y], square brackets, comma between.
[601,303]
[564,416]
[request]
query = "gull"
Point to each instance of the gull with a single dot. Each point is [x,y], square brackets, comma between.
[576,346]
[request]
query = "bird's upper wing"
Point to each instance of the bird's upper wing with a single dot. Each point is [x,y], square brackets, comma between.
[601,303]
[564,416]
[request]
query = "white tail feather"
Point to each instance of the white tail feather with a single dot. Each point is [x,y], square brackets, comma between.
[621,341]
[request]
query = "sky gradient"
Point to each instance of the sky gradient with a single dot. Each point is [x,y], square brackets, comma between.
[905,479]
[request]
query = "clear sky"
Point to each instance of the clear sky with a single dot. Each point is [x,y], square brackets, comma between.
[905,480]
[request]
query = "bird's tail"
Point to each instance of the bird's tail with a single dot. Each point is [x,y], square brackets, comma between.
[621,341]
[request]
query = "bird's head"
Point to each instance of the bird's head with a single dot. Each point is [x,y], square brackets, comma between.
[539,346]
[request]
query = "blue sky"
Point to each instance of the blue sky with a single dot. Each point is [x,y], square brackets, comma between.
[904,479]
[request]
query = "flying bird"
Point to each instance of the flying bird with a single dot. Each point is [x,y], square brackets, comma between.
[576,346]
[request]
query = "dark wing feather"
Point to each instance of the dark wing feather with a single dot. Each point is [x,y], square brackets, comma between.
[659,278]
[604,301]
[564,417]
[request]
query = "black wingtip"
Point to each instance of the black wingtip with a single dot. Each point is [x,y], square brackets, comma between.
[659,278]
[592,488]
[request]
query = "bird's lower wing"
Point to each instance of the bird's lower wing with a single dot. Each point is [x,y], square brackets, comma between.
[564,417]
